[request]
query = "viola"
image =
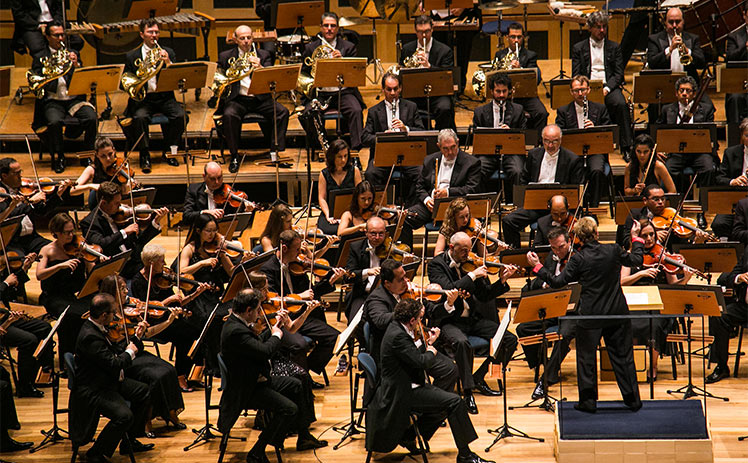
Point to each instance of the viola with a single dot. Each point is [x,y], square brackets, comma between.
[143,213]
[135,309]
[46,185]
[234,197]
[303,264]
[168,278]
[489,238]
[79,249]
[433,293]
[492,263]
[120,172]
[684,227]
[397,251]
[15,260]
[672,263]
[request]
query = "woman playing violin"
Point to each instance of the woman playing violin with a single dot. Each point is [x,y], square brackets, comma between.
[61,277]
[340,173]
[104,167]
[160,375]
[362,207]
[636,170]
[456,219]
[281,218]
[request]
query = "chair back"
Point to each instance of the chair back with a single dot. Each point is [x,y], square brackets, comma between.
[367,337]
[70,368]
[224,371]
[367,363]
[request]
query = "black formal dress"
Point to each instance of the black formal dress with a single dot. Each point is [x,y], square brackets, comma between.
[27,239]
[730,168]
[597,267]
[60,291]
[475,316]
[703,163]
[376,122]
[315,327]
[736,104]
[735,314]
[50,111]
[154,103]
[403,365]
[351,101]
[465,180]
[378,312]
[512,115]
[102,230]
[538,115]
[581,64]
[235,105]
[196,200]
[103,389]
[348,183]
[26,33]
[569,170]
[440,56]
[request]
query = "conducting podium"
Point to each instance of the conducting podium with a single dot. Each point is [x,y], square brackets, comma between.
[427,83]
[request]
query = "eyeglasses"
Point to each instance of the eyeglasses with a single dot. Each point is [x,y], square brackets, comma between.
[551,142]
[375,233]
[580,90]
[329,26]
[657,199]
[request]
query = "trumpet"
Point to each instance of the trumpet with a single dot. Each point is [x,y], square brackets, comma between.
[135,84]
[685,56]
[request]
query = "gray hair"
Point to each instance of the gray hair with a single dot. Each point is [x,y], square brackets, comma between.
[596,18]
[457,237]
[151,253]
[744,122]
[447,133]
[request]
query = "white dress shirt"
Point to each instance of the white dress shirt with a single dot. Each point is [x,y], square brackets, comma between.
[681,112]
[373,263]
[465,306]
[388,107]
[44,15]
[152,81]
[597,60]
[548,168]
[62,86]
[499,113]
[745,160]
[675,64]
[245,82]
[211,201]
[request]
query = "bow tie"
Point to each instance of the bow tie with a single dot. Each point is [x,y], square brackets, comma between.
[597,44]
[454,264]
[448,164]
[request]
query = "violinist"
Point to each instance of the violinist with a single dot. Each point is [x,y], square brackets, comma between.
[161,376]
[247,355]
[101,380]
[105,165]
[559,216]
[735,314]
[733,171]
[362,207]
[457,219]
[61,277]
[642,165]
[200,197]
[651,275]
[281,280]
[280,219]
[378,312]
[476,315]
[178,331]
[99,228]
[27,239]
[364,262]
[339,173]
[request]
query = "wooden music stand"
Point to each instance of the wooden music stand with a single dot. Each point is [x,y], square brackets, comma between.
[290,15]
[102,270]
[732,79]
[5,72]
[399,150]
[712,257]
[276,78]
[721,199]
[431,137]
[498,142]
[422,82]
[151,8]
[655,87]
[635,202]
[587,142]
[241,272]
[524,81]
[344,247]
[340,72]
[340,200]
[478,203]
[184,76]
[228,227]
[560,95]
[536,195]
[684,139]
[143,196]
[8,228]
[95,79]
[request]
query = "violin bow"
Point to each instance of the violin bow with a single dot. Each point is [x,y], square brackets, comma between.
[283,278]
[33,165]
[677,212]
[576,212]
[651,160]
[5,251]
[126,159]
[233,182]
[485,243]
[386,185]
[122,310]
[148,294]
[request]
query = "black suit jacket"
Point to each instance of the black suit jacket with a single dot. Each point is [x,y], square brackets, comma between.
[735,49]
[597,267]
[740,226]
[483,294]
[376,120]
[196,200]
[550,265]
[527,58]
[358,261]
[223,62]
[98,361]
[656,59]
[731,165]
[514,115]
[440,55]
[130,67]
[566,116]
[347,49]
[465,178]
[728,279]
[669,113]
[545,224]
[581,62]
[247,356]
[378,310]
[568,170]
[101,233]
[26,14]
[36,67]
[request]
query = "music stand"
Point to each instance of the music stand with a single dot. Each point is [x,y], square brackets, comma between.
[543,304]
[144,196]
[524,81]
[655,87]
[693,300]
[560,95]
[732,79]
[422,82]
[230,224]
[684,138]
[340,73]
[101,270]
[478,203]
[346,338]
[590,141]
[518,257]
[93,79]
[8,229]
[535,196]
[398,150]
[239,278]
[340,200]
[52,436]
[721,199]
[296,15]
[712,257]
[430,136]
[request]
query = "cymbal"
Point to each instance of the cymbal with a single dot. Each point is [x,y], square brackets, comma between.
[352,21]
[497,5]
[530,2]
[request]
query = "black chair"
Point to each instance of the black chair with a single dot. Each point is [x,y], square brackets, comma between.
[249,118]
[5,353]
[41,132]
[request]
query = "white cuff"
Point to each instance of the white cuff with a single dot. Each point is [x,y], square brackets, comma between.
[124,234]
[132,354]
[606,88]
[278,335]
[471,275]
[156,224]
[667,51]
[449,308]
[426,201]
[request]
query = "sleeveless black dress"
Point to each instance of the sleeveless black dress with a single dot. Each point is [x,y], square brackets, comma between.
[60,291]
[349,182]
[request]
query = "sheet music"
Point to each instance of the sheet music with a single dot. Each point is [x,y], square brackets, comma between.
[496,340]
[346,334]
[43,344]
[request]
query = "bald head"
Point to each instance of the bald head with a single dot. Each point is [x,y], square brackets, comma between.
[243,37]
[460,238]
[552,138]
[375,222]
[213,175]
[459,247]
[559,208]
[375,230]
[674,21]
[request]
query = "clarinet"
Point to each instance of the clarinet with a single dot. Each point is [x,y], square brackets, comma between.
[586,112]
[394,111]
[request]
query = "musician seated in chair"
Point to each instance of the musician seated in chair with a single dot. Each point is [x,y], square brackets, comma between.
[430,53]
[600,59]
[30,18]
[527,59]
[736,49]
[500,114]
[237,101]
[200,197]
[732,171]
[676,113]
[351,102]
[141,107]
[54,103]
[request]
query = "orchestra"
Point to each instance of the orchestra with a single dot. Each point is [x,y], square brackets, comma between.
[98,272]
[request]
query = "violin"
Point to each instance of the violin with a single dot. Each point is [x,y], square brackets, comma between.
[135,308]
[293,303]
[234,197]
[671,263]
[314,236]
[143,213]
[15,260]
[303,264]
[168,278]
[492,263]
[46,185]
[119,329]
[434,293]
[120,172]
[397,251]
[391,212]
[78,248]
[489,238]
[684,227]
[230,248]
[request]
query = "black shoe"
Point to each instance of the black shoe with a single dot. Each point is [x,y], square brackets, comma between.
[171,161]
[634,406]
[410,446]
[587,406]
[11,445]
[316,385]
[481,387]
[179,426]
[472,407]
[234,165]
[472,458]
[58,166]
[539,391]
[718,374]
[342,368]
[30,391]
[257,457]
[136,446]
[145,163]
[309,443]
